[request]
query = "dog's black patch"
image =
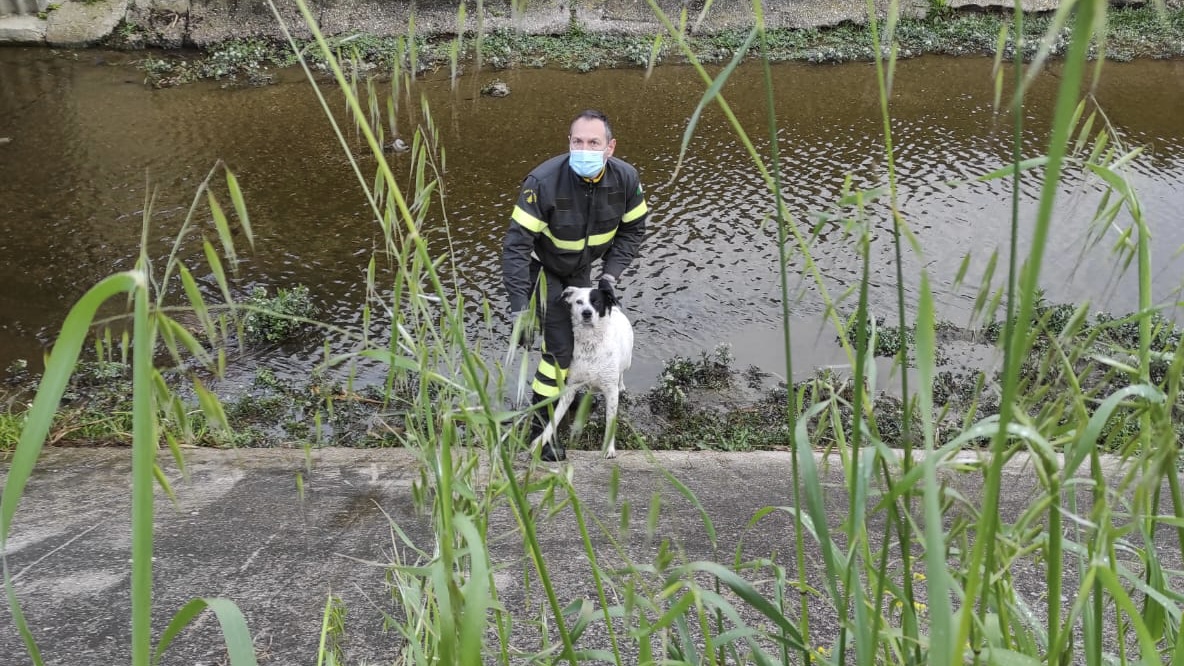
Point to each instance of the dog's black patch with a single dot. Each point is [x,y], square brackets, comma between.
[602,301]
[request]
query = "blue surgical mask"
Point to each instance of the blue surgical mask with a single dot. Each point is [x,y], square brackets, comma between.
[586,163]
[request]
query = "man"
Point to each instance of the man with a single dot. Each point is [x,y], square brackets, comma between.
[574,209]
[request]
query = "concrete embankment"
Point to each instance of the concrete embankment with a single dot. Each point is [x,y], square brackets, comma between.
[178,23]
[242,527]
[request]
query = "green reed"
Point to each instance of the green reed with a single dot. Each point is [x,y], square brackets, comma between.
[936,551]
[974,611]
[152,399]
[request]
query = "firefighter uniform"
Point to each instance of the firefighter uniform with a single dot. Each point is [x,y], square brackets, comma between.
[562,223]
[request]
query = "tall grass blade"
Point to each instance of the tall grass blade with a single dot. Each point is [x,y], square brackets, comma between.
[815,506]
[708,97]
[240,207]
[223,227]
[941,632]
[18,616]
[216,269]
[708,525]
[58,369]
[745,590]
[143,468]
[237,637]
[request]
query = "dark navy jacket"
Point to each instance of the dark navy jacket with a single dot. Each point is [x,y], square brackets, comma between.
[564,222]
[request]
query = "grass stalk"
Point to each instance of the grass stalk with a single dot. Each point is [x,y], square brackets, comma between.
[783,224]
[1016,338]
[597,578]
[143,467]
[526,524]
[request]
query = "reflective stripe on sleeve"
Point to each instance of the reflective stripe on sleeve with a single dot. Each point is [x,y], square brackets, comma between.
[528,221]
[638,210]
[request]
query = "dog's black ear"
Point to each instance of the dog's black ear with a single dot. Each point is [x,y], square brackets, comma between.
[609,300]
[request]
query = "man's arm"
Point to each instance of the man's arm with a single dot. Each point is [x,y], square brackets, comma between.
[526,224]
[630,234]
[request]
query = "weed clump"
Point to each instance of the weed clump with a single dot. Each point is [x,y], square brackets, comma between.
[887,340]
[276,318]
[681,374]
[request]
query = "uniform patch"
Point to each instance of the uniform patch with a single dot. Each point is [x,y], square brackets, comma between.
[529,194]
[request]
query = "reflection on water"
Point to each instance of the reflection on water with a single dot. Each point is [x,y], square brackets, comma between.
[89,142]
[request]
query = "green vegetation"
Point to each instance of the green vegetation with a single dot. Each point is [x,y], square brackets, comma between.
[1134,31]
[932,585]
[277,318]
[151,402]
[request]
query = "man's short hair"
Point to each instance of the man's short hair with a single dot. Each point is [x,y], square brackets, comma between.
[593,114]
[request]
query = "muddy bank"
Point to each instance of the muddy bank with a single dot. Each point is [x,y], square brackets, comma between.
[706,402]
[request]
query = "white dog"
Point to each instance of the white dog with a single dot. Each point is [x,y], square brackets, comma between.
[603,352]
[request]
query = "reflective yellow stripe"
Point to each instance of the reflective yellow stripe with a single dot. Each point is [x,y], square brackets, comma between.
[601,239]
[596,239]
[528,221]
[551,371]
[544,389]
[564,244]
[638,210]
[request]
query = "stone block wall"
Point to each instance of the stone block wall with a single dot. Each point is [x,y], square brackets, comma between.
[22,7]
[176,23]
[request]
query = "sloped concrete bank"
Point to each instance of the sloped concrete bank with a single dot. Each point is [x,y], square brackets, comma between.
[201,23]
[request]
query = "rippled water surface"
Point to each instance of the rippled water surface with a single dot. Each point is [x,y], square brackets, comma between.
[88,142]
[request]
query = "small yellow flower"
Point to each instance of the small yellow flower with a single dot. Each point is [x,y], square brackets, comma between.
[918,576]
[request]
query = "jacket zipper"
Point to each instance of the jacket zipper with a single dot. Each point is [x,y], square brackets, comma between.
[589,189]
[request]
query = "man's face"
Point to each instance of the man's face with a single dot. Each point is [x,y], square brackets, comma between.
[590,134]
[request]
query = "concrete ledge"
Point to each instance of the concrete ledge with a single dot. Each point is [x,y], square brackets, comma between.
[242,528]
[76,24]
[22,30]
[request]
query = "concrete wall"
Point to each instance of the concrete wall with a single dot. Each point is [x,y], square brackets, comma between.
[23,7]
[174,23]
[203,22]
[211,20]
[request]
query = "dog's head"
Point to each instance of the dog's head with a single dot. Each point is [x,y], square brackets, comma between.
[588,305]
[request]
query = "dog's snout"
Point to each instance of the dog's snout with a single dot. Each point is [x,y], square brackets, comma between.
[586,314]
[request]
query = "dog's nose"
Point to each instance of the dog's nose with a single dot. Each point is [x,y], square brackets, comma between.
[587,314]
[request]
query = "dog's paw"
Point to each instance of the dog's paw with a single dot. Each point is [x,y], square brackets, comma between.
[610,453]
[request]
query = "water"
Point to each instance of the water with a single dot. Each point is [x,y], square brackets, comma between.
[89,142]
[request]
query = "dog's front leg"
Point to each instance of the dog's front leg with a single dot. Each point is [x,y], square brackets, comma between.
[612,395]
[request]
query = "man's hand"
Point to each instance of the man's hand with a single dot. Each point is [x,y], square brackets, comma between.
[525,329]
[608,283]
